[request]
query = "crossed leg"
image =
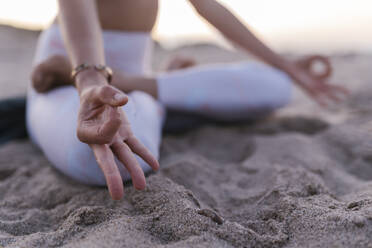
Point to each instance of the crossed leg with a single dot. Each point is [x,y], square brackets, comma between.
[229,92]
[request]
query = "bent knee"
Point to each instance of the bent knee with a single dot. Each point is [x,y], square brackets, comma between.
[268,88]
[282,91]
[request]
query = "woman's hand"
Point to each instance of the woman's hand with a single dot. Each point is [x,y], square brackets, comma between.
[99,117]
[105,128]
[123,145]
[314,83]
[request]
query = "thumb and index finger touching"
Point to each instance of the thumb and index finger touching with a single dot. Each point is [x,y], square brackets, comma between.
[109,95]
[101,121]
[308,63]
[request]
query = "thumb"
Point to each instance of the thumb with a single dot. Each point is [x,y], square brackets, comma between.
[112,96]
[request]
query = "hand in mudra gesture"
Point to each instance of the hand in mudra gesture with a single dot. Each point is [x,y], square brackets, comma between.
[103,125]
[316,84]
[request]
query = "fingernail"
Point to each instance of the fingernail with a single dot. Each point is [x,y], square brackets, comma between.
[119,97]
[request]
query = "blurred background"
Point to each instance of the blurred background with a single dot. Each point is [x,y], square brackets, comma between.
[285,24]
[332,27]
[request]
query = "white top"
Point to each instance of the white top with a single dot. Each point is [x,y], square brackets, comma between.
[128,51]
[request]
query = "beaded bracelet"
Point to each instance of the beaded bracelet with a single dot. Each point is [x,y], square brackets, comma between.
[107,71]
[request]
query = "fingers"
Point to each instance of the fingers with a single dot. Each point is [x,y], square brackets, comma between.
[333,96]
[319,92]
[336,93]
[341,90]
[319,99]
[107,94]
[308,63]
[106,162]
[138,148]
[327,71]
[315,84]
[111,125]
[99,129]
[327,93]
[126,157]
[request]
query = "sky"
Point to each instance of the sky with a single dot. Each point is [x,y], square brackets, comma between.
[284,24]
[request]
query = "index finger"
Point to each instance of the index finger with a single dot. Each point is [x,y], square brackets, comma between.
[126,157]
[138,148]
[325,62]
[106,162]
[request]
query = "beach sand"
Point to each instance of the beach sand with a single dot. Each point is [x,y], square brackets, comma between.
[302,178]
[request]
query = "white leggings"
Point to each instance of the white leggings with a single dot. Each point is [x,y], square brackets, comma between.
[225,91]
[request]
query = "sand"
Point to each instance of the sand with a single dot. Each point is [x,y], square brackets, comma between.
[302,178]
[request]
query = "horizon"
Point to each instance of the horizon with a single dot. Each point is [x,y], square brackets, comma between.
[285,25]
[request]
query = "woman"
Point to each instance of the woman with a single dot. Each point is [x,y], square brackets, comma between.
[93,108]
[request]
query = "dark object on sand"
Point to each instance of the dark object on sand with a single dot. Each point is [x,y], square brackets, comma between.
[212,215]
[178,122]
[12,119]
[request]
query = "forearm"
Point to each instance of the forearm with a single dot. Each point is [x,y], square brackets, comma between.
[234,30]
[83,38]
[129,83]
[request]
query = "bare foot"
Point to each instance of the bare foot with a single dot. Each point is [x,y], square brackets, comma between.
[179,62]
[128,83]
[53,72]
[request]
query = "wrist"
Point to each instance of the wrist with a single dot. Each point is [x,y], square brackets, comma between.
[289,68]
[89,78]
